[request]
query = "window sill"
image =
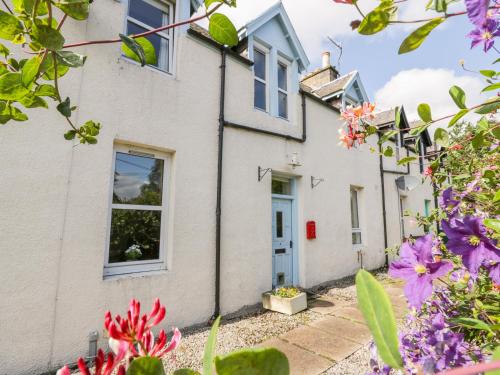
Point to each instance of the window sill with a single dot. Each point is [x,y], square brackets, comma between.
[148,67]
[135,275]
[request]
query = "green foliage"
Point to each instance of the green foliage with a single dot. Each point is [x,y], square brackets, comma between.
[222,30]
[374,22]
[71,59]
[186,371]
[407,160]
[441,137]
[139,49]
[77,9]
[286,292]
[30,71]
[458,96]
[146,366]
[458,116]
[267,361]
[10,26]
[47,37]
[377,311]
[424,111]
[11,86]
[416,38]
[208,356]
[495,357]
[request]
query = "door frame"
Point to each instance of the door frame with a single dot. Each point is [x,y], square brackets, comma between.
[295,237]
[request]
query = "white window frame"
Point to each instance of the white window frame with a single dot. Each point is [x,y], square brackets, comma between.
[112,269]
[356,230]
[265,51]
[284,62]
[164,55]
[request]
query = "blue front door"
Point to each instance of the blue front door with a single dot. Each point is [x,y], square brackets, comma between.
[282,242]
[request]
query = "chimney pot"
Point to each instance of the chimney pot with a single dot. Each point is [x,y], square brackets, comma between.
[326,59]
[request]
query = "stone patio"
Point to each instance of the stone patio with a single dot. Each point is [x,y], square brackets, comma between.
[314,347]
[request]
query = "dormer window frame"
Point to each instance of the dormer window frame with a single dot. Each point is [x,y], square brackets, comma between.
[287,64]
[259,48]
[167,50]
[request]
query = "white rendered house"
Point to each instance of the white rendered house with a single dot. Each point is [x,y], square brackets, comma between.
[210,168]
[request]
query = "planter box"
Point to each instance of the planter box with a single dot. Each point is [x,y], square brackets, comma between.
[287,306]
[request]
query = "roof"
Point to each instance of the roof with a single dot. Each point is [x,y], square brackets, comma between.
[388,118]
[335,86]
[278,11]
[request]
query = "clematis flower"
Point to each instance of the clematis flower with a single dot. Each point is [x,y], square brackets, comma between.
[494,271]
[477,11]
[467,238]
[448,203]
[485,34]
[418,267]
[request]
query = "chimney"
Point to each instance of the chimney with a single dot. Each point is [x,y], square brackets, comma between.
[326,74]
[326,60]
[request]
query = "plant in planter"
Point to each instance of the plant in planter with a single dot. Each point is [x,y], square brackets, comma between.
[286,300]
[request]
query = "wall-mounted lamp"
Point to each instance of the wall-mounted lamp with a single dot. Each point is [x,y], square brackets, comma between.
[262,172]
[316,181]
[294,160]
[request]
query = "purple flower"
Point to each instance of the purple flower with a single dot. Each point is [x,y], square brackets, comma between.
[477,11]
[494,271]
[485,34]
[448,203]
[418,268]
[467,238]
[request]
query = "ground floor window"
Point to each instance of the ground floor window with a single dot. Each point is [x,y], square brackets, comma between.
[138,212]
[356,227]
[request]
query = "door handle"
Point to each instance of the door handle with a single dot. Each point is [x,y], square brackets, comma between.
[291,244]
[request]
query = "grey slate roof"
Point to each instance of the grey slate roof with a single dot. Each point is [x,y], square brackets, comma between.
[384,118]
[334,86]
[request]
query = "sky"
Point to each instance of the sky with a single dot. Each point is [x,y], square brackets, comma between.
[424,75]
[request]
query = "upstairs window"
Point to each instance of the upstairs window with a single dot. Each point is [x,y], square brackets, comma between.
[282,90]
[260,82]
[356,228]
[145,15]
[138,212]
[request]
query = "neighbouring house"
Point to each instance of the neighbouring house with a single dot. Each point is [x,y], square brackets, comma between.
[217,176]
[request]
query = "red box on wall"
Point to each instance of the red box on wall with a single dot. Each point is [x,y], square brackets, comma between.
[311,230]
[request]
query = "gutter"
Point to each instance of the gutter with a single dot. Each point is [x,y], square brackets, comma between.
[382,183]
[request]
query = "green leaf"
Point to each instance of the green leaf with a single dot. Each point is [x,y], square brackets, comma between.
[71,59]
[4,51]
[495,357]
[488,73]
[472,323]
[8,112]
[11,87]
[208,356]
[33,101]
[374,22]
[457,117]
[146,366]
[186,371]
[30,71]
[69,135]
[132,49]
[496,198]
[478,140]
[48,37]
[46,90]
[266,361]
[210,2]
[388,135]
[388,152]
[441,137]
[77,9]
[489,107]
[26,6]
[407,160]
[492,87]
[10,26]
[424,111]
[493,224]
[397,117]
[222,30]
[65,108]
[377,311]
[147,47]
[458,96]
[416,38]
[48,68]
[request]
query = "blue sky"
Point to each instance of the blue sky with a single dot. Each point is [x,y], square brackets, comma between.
[424,75]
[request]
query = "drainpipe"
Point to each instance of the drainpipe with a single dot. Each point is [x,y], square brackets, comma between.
[382,184]
[218,209]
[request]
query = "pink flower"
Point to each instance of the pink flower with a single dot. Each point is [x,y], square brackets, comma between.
[103,365]
[159,347]
[344,1]
[456,147]
[428,172]
[346,139]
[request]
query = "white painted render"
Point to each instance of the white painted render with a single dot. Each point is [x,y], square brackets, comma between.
[54,198]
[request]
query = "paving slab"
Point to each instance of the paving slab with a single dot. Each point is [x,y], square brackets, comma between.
[325,305]
[350,312]
[321,342]
[347,329]
[302,362]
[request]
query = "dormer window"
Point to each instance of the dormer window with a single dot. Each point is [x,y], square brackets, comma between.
[282,90]
[144,15]
[260,83]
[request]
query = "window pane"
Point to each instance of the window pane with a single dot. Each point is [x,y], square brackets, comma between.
[155,40]
[135,235]
[354,209]
[259,64]
[138,180]
[283,104]
[281,187]
[146,13]
[282,77]
[260,95]
[356,238]
[279,224]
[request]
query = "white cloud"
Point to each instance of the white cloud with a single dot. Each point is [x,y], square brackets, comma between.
[415,86]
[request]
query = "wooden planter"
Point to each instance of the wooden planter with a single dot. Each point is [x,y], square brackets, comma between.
[282,305]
